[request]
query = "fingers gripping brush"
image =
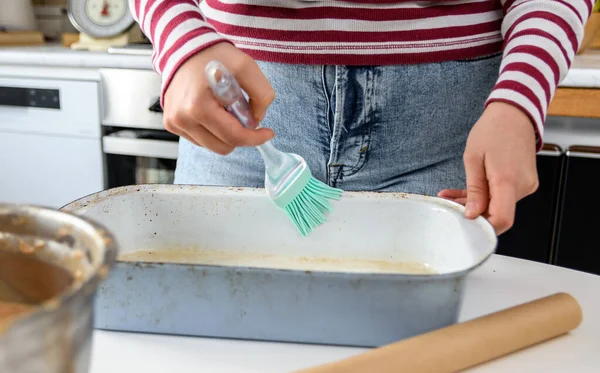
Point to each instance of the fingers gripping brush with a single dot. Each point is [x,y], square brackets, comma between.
[288,180]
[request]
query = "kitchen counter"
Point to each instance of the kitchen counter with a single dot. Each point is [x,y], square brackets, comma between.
[584,73]
[578,93]
[59,56]
[500,283]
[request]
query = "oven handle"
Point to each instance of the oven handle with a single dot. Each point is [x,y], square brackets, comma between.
[592,152]
[140,147]
[581,154]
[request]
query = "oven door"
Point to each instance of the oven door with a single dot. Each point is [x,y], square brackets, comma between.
[136,157]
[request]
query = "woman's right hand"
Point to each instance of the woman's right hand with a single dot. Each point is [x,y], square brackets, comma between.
[192,112]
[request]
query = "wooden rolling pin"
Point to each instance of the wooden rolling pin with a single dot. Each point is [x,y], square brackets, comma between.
[470,343]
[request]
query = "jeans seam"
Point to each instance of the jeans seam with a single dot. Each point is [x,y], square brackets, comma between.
[366,137]
[327,97]
[335,138]
[327,117]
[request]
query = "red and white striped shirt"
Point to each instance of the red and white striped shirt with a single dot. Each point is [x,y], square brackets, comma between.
[538,38]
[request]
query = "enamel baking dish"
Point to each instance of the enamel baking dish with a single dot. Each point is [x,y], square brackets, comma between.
[225,262]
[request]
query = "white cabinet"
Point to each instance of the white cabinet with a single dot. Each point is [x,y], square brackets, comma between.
[50,140]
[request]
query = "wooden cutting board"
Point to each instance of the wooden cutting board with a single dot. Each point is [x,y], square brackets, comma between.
[19,38]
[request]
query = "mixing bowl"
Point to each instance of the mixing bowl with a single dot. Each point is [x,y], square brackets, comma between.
[51,264]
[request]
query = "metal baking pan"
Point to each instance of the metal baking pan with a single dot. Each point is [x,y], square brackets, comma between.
[225,262]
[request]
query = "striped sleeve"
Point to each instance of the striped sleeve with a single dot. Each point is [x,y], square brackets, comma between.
[177,31]
[541,38]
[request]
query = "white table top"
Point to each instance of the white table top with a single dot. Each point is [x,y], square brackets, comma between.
[500,283]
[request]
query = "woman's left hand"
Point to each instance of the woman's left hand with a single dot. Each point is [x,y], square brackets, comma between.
[500,164]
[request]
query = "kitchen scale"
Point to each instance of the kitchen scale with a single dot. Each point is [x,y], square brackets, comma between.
[103,24]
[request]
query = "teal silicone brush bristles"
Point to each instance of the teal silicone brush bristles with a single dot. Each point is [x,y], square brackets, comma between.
[288,180]
[309,203]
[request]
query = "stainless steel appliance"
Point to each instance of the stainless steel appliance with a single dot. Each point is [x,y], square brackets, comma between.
[137,148]
[557,224]
[532,235]
[578,219]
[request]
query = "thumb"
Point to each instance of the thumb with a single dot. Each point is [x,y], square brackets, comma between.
[257,86]
[477,186]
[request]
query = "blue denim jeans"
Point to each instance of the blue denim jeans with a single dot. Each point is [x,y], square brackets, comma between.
[396,128]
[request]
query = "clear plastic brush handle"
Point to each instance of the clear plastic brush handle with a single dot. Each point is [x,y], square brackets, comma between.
[227,90]
[230,95]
